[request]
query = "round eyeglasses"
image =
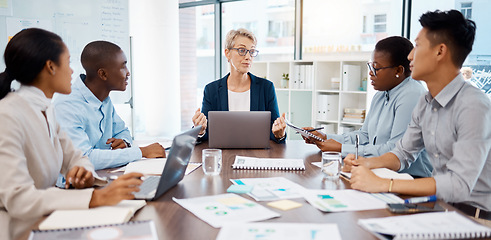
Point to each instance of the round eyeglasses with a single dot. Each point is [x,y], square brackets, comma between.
[374,70]
[243,51]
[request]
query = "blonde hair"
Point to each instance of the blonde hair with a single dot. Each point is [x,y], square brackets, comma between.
[233,34]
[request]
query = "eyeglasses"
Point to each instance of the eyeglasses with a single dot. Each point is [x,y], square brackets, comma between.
[243,51]
[374,70]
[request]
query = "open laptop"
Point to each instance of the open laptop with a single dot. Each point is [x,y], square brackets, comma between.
[177,161]
[239,129]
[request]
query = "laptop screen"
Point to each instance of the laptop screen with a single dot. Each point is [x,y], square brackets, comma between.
[239,129]
[177,160]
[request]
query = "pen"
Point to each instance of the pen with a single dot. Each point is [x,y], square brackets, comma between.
[357,143]
[431,198]
[314,129]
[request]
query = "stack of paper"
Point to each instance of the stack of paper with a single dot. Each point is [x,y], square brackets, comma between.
[119,213]
[441,225]
[354,115]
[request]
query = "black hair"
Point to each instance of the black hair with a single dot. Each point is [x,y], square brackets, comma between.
[398,48]
[452,29]
[26,55]
[97,55]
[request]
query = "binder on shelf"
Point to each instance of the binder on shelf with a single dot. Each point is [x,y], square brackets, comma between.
[301,84]
[332,107]
[351,77]
[324,106]
[319,113]
[296,77]
[309,79]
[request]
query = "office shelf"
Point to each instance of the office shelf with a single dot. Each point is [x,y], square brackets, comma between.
[327,86]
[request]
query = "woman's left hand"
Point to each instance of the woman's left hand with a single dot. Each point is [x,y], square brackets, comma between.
[279,127]
[79,177]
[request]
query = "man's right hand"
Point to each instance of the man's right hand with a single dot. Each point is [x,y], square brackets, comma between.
[120,189]
[154,150]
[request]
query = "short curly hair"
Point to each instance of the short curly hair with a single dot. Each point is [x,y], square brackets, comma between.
[233,34]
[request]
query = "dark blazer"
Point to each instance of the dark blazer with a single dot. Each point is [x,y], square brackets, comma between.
[263,98]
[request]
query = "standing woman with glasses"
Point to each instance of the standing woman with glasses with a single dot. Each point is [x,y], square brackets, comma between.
[390,109]
[240,90]
[33,149]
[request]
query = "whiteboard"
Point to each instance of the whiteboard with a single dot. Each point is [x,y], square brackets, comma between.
[77,22]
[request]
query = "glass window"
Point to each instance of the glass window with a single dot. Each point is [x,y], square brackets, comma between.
[272,22]
[380,23]
[479,60]
[331,26]
[197,46]
[466,9]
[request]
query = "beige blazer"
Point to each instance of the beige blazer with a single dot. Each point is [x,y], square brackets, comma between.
[29,165]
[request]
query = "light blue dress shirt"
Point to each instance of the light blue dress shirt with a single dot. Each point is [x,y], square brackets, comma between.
[90,123]
[455,129]
[385,123]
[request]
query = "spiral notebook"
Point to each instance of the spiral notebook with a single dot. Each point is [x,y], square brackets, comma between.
[119,213]
[253,163]
[303,132]
[129,230]
[440,225]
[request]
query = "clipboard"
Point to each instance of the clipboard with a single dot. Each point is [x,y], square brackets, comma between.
[303,132]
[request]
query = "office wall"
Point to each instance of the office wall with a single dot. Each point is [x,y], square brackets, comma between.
[77,22]
[154,28]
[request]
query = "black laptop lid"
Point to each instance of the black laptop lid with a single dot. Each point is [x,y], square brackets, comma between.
[177,160]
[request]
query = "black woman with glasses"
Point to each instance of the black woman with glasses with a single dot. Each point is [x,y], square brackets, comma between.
[240,90]
[390,109]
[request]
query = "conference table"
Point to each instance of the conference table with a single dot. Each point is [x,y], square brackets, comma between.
[174,222]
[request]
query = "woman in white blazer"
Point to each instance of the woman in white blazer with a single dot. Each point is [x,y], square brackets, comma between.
[33,149]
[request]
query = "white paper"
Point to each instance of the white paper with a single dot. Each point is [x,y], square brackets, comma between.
[149,166]
[426,226]
[242,162]
[153,166]
[348,200]
[271,189]
[279,231]
[219,210]
[119,213]
[381,172]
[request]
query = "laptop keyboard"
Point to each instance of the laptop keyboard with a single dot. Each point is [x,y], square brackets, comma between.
[149,184]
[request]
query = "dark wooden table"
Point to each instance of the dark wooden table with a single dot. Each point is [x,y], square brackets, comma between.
[174,222]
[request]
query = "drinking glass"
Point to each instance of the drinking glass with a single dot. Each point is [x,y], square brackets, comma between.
[212,161]
[331,165]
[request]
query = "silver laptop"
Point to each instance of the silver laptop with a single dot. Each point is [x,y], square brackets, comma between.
[241,129]
[177,161]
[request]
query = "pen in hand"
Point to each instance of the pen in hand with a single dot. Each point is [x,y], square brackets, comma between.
[313,129]
[357,143]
